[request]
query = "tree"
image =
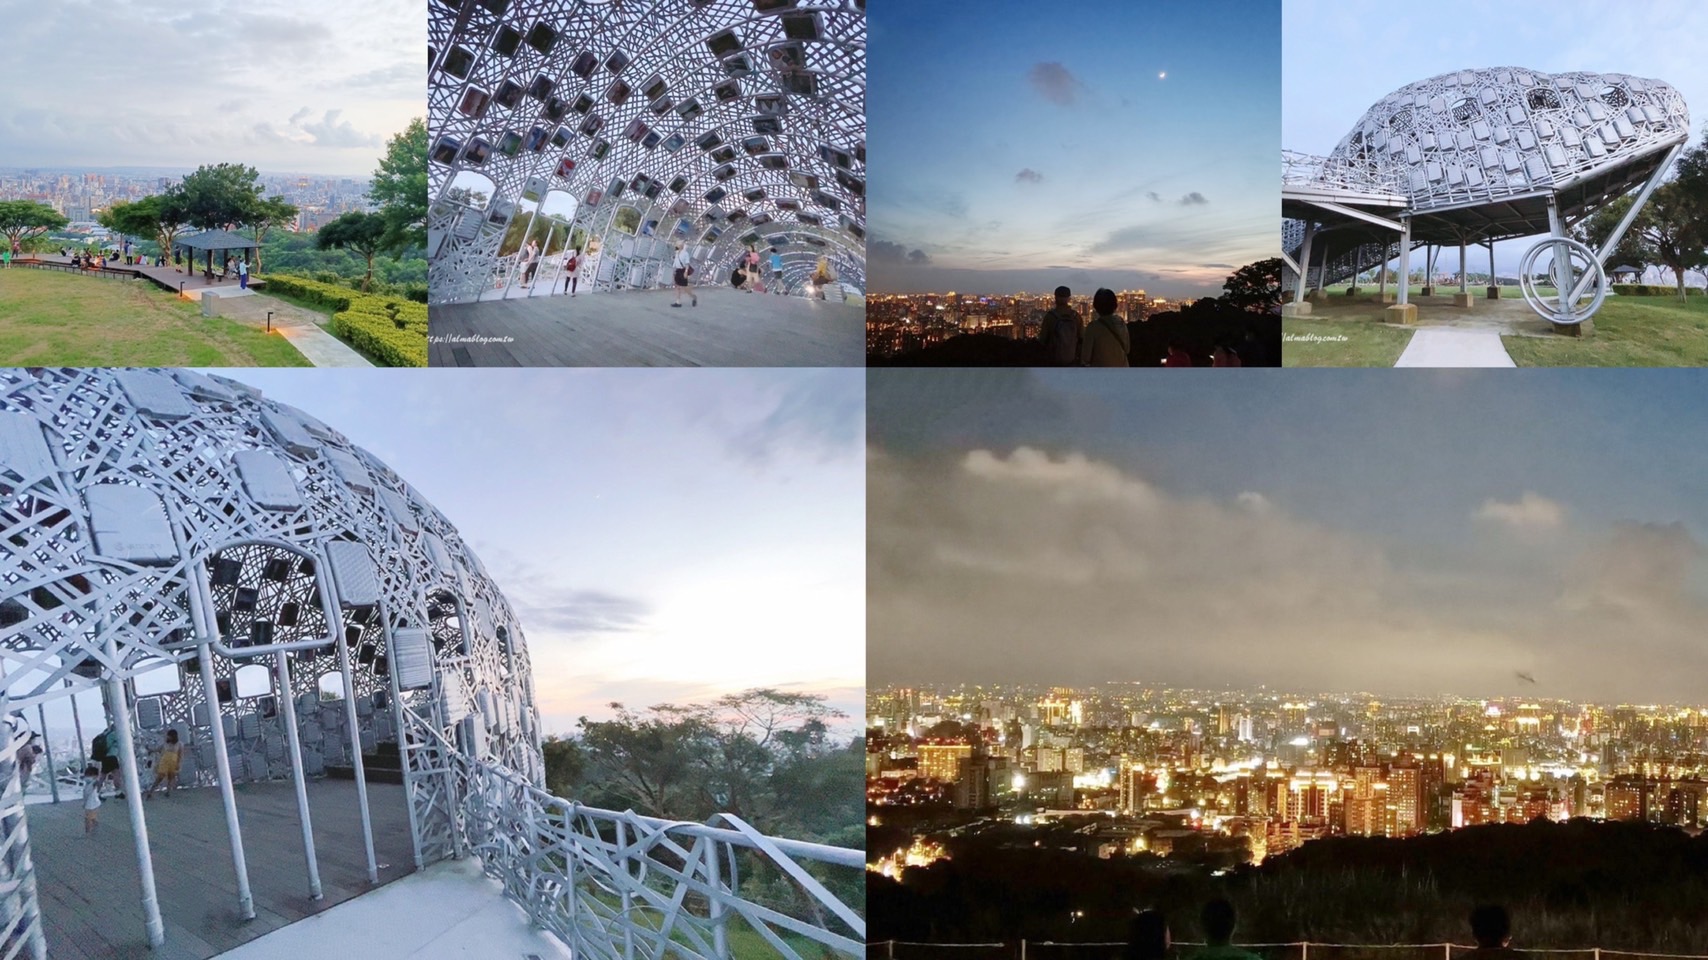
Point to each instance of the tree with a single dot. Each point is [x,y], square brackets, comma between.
[1633,248]
[221,197]
[159,218]
[1255,287]
[363,233]
[1671,226]
[400,188]
[565,762]
[268,213]
[22,220]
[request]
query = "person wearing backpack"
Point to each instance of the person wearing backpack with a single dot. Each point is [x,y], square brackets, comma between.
[572,272]
[104,750]
[1061,331]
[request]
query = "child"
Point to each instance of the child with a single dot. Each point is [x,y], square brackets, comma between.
[91,799]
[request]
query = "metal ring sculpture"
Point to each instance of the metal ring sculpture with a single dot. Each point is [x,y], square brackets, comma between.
[1563,307]
[720,123]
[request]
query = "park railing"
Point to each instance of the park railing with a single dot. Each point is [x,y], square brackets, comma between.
[621,886]
[1182,950]
[1335,173]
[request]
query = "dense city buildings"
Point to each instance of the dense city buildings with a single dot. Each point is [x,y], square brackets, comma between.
[80,194]
[1259,772]
[902,323]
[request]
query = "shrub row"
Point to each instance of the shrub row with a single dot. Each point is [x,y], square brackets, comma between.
[391,329]
[381,337]
[1652,290]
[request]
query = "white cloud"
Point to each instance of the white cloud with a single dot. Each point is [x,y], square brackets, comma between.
[1531,511]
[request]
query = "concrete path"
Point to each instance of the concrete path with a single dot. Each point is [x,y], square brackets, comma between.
[301,327]
[1451,347]
[449,911]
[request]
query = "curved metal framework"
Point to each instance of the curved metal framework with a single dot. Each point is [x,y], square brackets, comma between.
[721,123]
[1477,156]
[247,559]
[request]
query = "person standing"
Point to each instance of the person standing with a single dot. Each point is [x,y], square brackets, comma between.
[91,799]
[530,262]
[8,258]
[1107,341]
[572,272]
[777,272]
[166,767]
[1062,331]
[683,271]
[242,277]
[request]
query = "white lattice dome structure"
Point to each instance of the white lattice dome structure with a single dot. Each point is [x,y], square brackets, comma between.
[304,603]
[1474,157]
[1481,136]
[718,123]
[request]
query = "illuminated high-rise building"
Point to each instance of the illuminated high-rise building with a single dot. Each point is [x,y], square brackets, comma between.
[940,760]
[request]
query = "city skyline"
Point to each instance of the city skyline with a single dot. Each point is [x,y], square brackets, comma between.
[271,84]
[1428,533]
[1121,146]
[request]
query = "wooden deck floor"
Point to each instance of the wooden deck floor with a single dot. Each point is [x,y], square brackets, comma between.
[642,329]
[91,896]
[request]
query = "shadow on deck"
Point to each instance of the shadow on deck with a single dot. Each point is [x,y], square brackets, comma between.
[639,328]
[91,894]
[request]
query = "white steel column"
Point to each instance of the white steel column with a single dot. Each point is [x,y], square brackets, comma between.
[201,608]
[1405,259]
[133,791]
[282,667]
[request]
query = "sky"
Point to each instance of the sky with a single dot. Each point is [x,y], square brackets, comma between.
[1125,144]
[287,86]
[1324,95]
[664,536]
[1398,532]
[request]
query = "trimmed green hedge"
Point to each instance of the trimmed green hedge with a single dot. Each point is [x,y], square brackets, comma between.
[1652,290]
[392,330]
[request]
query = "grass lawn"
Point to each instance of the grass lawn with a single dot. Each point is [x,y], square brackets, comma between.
[1629,332]
[1340,343]
[54,320]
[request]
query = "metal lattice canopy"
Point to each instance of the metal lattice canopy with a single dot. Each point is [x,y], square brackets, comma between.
[1478,156]
[721,123]
[1478,152]
[172,524]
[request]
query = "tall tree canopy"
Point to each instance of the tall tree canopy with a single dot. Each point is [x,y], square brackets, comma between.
[221,197]
[21,220]
[159,218]
[362,232]
[400,188]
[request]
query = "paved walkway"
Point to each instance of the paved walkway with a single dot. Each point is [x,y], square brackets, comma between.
[1455,347]
[449,911]
[91,893]
[301,327]
[641,329]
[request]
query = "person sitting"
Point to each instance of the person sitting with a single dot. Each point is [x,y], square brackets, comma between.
[1147,937]
[1491,927]
[1217,920]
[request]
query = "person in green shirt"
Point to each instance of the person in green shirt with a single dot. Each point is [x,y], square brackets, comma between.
[1217,919]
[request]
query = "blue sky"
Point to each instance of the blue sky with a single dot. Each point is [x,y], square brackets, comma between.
[664,535]
[1399,531]
[1344,55]
[1017,146]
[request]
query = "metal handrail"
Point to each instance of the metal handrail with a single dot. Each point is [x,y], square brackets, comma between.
[617,885]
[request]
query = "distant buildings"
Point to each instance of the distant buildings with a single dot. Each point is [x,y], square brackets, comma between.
[81,196]
[1271,771]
